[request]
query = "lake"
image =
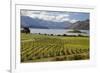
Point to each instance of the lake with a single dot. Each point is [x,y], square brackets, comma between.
[58,31]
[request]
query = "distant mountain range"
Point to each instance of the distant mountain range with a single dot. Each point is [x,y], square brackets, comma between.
[82,25]
[27,21]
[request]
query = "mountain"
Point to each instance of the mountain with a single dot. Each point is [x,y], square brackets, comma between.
[30,22]
[27,21]
[81,25]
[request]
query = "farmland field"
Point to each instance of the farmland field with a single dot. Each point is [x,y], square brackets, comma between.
[43,48]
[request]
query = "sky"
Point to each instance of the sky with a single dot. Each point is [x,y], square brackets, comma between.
[56,16]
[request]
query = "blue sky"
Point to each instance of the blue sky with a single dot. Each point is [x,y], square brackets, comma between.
[79,16]
[56,16]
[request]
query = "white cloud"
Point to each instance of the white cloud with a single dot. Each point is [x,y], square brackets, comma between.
[34,15]
[43,16]
[59,17]
[73,21]
[56,16]
[29,13]
[62,18]
[65,19]
[26,13]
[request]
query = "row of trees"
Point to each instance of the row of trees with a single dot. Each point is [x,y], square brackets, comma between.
[61,35]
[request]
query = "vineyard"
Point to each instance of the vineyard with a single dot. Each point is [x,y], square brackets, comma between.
[43,48]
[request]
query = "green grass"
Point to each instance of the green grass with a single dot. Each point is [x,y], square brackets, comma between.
[42,48]
[75,31]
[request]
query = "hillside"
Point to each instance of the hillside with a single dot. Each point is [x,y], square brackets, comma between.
[27,21]
[83,25]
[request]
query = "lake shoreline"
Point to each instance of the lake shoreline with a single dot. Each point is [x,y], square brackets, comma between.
[58,32]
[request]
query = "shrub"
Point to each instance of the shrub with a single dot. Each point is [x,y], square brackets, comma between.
[64,35]
[51,34]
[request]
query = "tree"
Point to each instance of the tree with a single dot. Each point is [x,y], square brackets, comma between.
[25,30]
[51,34]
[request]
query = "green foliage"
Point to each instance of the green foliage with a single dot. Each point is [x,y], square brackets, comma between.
[75,31]
[39,48]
